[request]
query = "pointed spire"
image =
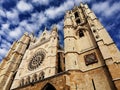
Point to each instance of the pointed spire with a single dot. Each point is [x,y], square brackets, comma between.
[33,33]
[26,33]
[81,4]
[45,29]
[32,36]
[68,19]
[54,28]
[68,14]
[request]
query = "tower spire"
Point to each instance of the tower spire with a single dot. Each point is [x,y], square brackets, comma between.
[33,32]
[54,27]
[45,29]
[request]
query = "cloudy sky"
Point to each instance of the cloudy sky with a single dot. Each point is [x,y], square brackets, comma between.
[19,16]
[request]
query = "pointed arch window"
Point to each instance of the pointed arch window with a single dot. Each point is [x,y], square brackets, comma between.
[48,86]
[81,33]
[76,14]
[41,75]
[35,77]
[22,82]
[28,79]
[77,18]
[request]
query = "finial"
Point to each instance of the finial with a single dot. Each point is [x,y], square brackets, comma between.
[45,29]
[67,14]
[26,33]
[54,27]
[32,33]
[81,4]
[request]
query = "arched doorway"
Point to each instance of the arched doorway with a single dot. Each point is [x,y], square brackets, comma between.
[48,86]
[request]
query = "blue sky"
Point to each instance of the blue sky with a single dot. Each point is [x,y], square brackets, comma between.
[19,16]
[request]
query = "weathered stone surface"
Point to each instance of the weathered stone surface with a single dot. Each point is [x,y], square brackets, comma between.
[89,61]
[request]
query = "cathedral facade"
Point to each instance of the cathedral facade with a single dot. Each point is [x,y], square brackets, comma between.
[89,60]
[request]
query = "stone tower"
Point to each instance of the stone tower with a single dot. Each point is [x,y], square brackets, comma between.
[89,61]
[90,50]
[10,64]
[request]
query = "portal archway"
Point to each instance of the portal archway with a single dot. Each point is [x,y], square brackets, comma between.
[48,86]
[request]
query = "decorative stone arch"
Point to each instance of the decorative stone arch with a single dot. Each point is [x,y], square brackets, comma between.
[41,75]
[28,80]
[34,77]
[25,81]
[48,86]
[36,59]
[41,49]
[22,82]
[80,28]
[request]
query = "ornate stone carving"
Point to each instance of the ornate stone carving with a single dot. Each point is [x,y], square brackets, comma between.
[36,60]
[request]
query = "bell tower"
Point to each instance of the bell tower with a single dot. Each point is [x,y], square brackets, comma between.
[78,37]
[89,49]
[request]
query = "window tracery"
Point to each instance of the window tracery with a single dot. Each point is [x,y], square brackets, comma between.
[36,60]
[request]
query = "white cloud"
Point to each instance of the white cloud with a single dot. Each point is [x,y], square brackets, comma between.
[3,52]
[2,32]
[42,18]
[39,19]
[27,27]
[2,13]
[106,9]
[5,26]
[5,44]
[12,16]
[15,34]
[22,6]
[41,2]
[40,32]
[60,25]
[54,12]
[77,2]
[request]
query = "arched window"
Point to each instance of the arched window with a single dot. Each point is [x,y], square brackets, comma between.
[41,75]
[48,86]
[77,18]
[81,33]
[28,80]
[76,14]
[22,82]
[34,79]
